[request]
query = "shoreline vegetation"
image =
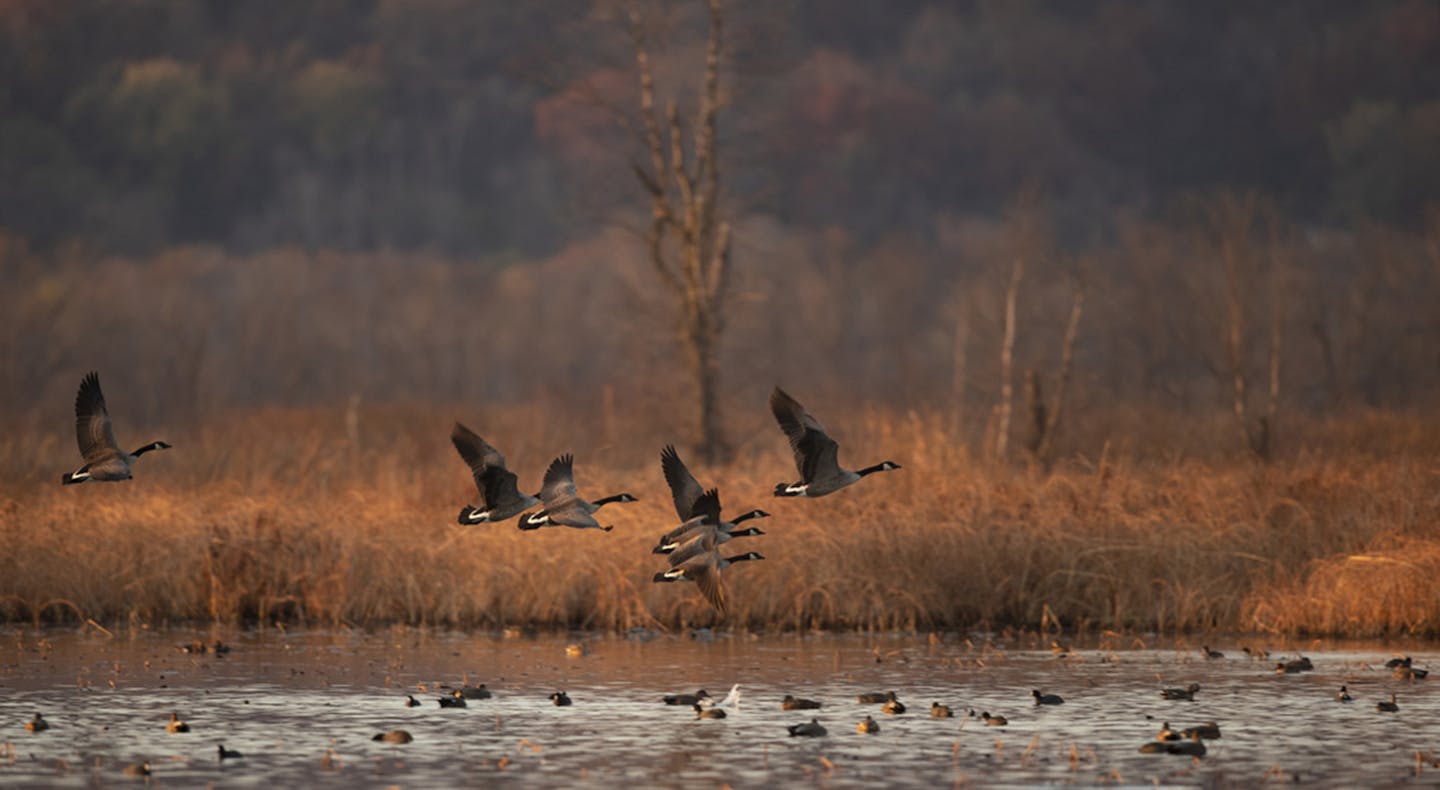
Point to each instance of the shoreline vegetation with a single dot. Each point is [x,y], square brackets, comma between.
[320,518]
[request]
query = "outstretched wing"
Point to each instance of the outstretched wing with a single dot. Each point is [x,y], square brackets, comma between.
[708,506]
[559,484]
[707,578]
[495,483]
[683,486]
[815,452]
[476,452]
[92,421]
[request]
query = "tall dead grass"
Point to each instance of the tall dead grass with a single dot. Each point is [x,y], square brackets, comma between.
[282,515]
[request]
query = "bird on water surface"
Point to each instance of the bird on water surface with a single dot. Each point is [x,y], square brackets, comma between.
[795,703]
[1046,699]
[686,699]
[810,729]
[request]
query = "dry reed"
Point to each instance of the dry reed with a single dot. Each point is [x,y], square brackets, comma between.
[279,515]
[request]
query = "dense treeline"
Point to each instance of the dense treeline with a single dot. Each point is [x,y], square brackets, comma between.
[464,127]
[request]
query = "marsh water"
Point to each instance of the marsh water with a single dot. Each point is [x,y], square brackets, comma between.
[303,706]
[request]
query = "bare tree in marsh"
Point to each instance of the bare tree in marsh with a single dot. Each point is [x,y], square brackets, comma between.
[688,239]
[1232,222]
[1045,419]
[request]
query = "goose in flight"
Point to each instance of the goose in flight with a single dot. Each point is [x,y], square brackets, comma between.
[693,501]
[562,505]
[816,454]
[500,496]
[104,460]
[704,570]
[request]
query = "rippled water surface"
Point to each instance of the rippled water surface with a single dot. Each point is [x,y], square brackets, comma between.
[302,707]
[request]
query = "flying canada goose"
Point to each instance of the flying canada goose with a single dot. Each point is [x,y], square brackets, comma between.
[938,711]
[816,454]
[868,727]
[37,724]
[692,501]
[175,724]
[810,729]
[561,699]
[893,707]
[704,570]
[702,712]
[227,754]
[500,496]
[1187,693]
[562,505]
[394,736]
[795,703]
[1046,699]
[1343,695]
[875,697]
[676,538]
[700,540]
[687,699]
[1388,707]
[104,460]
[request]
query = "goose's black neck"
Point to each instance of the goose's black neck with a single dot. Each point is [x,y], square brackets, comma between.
[151,446]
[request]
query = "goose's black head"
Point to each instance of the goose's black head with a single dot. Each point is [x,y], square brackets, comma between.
[756,513]
[749,555]
[748,532]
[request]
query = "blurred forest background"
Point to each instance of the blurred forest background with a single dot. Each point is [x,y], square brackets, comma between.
[298,239]
[266,203]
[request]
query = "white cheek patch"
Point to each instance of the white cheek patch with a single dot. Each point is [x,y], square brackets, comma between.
[797,489]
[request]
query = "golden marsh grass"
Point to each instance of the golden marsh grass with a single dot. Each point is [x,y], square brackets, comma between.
[279,515]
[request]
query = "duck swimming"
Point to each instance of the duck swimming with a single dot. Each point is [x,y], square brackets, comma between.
[1046,699]
[795,703]
[810,729]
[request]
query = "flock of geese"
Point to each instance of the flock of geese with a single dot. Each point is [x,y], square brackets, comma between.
[693,547]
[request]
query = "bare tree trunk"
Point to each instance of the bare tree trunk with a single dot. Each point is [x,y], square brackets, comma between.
[1268,426]
[1007,350]
[1035,405]
[684,188]
[958,372]
[1067,354]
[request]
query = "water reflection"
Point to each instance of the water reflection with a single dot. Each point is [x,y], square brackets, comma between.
[304,707]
